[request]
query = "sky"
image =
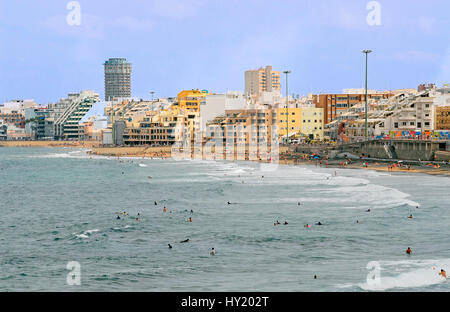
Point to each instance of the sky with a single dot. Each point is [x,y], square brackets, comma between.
[208,44]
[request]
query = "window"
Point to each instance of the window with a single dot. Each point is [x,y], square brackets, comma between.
[412,123]
[404,123]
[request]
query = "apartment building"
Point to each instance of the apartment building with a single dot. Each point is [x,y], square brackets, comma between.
[302,121]
[335,105]
[262,79]
[117,78]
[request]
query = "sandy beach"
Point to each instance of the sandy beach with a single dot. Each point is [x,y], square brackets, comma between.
[137,151]
[374,165]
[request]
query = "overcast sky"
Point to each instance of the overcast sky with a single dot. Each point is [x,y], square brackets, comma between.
[208,44]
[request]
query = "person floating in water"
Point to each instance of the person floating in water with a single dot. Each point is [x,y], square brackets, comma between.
[357,221]
[319,223]
[156,203]
[165,209]
[137,219]
[185,241]
[408,251]
[118,218]
[192,211]
[190,219]
[170,246]
[315,276]
[307,225]
[285,222]
[298,204]
[213,252]
[368,210]
[411,216]
[443,273]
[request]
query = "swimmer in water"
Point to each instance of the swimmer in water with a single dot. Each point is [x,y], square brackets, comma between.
[307,225]
[137,219]
[228,203]
[408,251]
[170,246]
[315,276]
[285,222]
[368,210]
[190,219]
[357,221]
[156,203]
[319,223]
[213,252]
[411,216]
[192,211]
[443,273]
[165,209]
[185,241]
[118,218]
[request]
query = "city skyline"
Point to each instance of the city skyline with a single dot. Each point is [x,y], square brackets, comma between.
[171,49]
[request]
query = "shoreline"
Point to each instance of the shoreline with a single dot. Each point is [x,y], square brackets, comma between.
[164,152]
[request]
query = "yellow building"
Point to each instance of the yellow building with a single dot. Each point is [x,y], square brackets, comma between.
[294,123]
[190,100]
[307,121]
[313,122]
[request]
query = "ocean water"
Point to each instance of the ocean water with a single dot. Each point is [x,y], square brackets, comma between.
[59,205]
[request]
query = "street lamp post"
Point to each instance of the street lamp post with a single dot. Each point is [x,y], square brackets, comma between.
[367,53]
[152,92]
[287,107]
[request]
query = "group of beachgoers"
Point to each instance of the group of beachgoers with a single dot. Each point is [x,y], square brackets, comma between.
[138,218]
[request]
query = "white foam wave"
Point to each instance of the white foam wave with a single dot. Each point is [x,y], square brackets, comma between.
[87,233]
[413,274]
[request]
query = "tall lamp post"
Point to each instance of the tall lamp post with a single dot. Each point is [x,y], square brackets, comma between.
[287,107]
[152,92]
[367,53]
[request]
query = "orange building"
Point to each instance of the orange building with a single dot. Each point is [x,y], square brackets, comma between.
[336,104]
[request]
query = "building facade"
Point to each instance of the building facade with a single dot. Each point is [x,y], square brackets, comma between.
[68,113]
[262,79]
[335,105]
[117,78]
[302,121]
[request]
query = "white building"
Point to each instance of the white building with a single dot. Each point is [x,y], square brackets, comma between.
[216,104]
